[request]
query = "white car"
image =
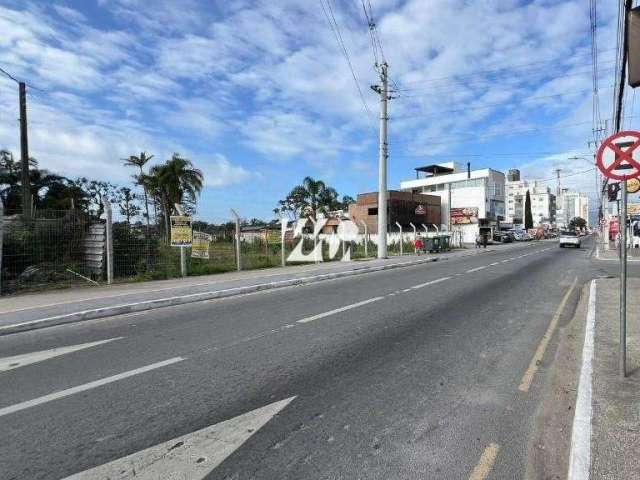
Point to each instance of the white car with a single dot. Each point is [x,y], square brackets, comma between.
[569,238]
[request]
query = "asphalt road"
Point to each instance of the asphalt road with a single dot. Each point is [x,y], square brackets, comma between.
[400,374]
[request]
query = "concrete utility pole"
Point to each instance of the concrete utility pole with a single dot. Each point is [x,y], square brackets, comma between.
[383,90]
[622,222]
[24,152]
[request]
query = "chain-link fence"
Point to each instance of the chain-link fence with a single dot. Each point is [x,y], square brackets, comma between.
[49,249]
[69,248]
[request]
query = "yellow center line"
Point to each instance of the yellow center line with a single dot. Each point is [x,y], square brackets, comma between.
[484,466]
[527,379]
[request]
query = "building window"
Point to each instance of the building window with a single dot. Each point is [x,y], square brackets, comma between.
[372,211]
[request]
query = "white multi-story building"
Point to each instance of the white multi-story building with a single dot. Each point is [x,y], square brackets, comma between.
[571,205]
[543,202]
[470,199]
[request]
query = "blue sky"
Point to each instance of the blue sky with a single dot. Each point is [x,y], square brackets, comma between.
[258,94]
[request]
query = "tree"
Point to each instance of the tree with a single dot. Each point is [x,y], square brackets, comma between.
[140,161]
[48,190]
[175,181]
[308,199]
[577,223]
[346,201]
[127,203]
[98,192]
[528,218]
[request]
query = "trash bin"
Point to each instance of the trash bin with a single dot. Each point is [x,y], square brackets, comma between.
[433,244]
[446,243]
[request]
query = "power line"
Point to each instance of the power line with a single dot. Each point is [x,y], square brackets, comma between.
[338,36]
[490,105]
[489,80]
[496,154]
[550,179]
[466,139]
[623,62]
[500,69]
[2,70]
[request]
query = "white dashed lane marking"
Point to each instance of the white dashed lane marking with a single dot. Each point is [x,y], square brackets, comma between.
[339,310]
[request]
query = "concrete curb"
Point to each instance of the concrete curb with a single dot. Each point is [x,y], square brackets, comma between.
[111,311]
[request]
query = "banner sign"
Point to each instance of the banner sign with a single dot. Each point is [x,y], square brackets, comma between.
[181,233]
[200,245]
[633,209]
[462,216]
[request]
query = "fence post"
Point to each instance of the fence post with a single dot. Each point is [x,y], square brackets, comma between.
[315,239]
[400,227]
[1,238]
[415,236]
[238,259]
[108,229]
[426,230]
[183,251]
[366,239]
[283,231]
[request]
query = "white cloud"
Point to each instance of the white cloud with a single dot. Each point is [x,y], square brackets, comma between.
[220,172]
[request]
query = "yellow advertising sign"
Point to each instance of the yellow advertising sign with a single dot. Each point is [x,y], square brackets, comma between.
[633,185]
[274,236]
[181,232]
[200,245]
[633,209]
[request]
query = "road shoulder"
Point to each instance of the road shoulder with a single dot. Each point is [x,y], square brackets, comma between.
[550,444]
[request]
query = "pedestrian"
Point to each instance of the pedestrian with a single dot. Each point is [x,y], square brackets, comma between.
[478,241]
[484,240]
[419,245]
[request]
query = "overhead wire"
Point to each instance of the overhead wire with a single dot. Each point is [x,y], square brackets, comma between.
[492,80]
[501,68]
[335,28]
[491,105]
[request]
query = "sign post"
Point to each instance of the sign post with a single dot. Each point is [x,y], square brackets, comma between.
[616,160]
[181,236]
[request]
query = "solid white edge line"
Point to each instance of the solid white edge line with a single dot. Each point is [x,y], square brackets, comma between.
[338,310]
[432,282]
[87,386]
[580,457]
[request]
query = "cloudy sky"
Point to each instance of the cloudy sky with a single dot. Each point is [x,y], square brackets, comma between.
[258,93]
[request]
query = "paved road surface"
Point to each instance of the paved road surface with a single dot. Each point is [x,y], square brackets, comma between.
[401,374]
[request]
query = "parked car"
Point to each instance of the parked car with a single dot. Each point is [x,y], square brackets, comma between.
[521,236]
[569,238]
[507,237]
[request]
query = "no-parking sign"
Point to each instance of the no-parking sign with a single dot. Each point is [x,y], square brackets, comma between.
[619,156]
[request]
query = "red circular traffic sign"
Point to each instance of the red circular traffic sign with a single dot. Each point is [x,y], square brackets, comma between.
[615,157]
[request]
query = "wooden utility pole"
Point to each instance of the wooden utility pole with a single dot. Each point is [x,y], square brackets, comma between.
[24,153]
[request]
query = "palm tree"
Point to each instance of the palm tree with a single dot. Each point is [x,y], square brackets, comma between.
[175,181]
[140,161]
[309,198]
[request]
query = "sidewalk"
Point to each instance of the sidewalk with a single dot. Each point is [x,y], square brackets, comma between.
[39,310]
[589,423]
[615,436]
[633,254]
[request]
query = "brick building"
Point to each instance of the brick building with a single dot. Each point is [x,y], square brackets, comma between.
[403,207]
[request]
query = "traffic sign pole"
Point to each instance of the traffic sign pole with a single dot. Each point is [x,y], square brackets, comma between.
[616,160]
[622,221]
